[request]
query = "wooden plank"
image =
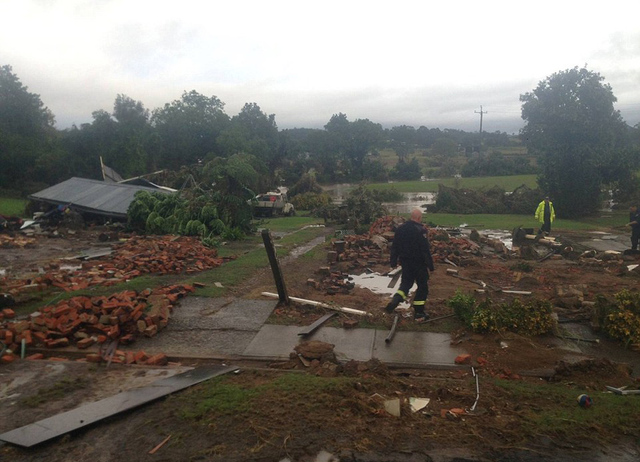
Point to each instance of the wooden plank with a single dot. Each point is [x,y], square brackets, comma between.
[342,309]
[313,327]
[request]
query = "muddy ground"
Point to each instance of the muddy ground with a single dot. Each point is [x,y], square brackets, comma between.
[342,416]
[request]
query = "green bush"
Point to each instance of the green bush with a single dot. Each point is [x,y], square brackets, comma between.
[310,201]
[204,215]
[620,318]
[531,318]
[463,306]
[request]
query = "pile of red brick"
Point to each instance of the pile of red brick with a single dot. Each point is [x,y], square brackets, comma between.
[7,242]
[137,256]
[362,250]
[386,224]
[84,321]
[456,249]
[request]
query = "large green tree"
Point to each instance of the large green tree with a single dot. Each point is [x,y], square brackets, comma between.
[253,132]
[122,138]
[353,141]
[572,126]
[188,129]
[26,132]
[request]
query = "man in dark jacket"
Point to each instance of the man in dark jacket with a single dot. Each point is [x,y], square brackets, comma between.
[634,223]
[411,246]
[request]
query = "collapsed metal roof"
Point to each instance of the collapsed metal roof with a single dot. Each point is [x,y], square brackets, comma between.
[93,196]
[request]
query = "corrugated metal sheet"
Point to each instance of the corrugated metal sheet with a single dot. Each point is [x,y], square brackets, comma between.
[109,199]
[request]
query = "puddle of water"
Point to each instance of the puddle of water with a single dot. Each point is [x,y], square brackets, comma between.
[301,250]
[375,283]
[504,236]
[411,201]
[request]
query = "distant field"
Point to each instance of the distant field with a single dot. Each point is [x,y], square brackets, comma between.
[12,207]
[508,183]
[508,222]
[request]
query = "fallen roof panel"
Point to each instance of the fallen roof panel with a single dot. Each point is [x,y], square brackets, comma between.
[94,196]
[58,425]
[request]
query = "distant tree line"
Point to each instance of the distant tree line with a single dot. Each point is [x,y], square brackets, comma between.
[194,130]
[580,143]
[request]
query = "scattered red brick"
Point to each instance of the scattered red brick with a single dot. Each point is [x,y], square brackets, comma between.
[158,360]
[83,321]
[463,359]
[8,313]
[7,359]
[137,256]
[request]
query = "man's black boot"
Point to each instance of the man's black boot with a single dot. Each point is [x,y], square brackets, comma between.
[395,301]
[419,314]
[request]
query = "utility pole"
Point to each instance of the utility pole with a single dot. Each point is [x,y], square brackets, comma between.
[481,114]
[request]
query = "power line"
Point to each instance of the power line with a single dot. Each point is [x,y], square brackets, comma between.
[481,114]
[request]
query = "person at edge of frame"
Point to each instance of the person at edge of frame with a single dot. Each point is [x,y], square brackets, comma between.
[634,223]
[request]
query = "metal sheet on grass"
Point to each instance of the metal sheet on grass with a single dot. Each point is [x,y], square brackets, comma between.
[58,425]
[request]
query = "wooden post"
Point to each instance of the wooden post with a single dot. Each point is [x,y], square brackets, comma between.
[275,266]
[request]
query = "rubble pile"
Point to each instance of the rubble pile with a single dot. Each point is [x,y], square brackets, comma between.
[386,224]
[331,282]
[137,256]
[364,252]
[85,321]
[611,261]
[361,250]
[444,247]
[20,242]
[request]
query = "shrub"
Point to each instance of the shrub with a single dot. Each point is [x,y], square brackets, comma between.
[620,318]
[206,214]
[463,306]
[310,201]
[530,318]
[306,184]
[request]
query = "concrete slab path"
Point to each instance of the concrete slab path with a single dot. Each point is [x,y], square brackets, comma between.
[407,348]
[231,327]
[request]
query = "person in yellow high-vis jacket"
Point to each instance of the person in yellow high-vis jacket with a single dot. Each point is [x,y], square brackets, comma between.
[545,214]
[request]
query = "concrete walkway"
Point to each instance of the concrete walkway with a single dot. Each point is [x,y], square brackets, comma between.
[228,327]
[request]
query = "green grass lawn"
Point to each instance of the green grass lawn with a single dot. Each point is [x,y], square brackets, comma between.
[12,207]
[508,183]
[508,222]
[287,224]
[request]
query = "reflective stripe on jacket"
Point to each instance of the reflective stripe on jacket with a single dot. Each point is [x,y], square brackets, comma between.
[540,212]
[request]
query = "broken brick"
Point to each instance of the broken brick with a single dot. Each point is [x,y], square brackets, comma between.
[463,359]
[8,358]
[85,343]
[158,360]
[8,313]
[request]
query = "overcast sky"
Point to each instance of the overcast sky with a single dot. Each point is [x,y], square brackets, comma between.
[393,62]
